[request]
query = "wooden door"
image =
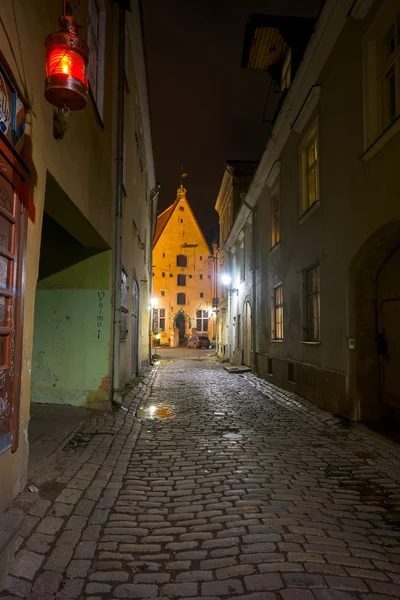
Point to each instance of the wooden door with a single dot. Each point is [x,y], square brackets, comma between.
[12,262]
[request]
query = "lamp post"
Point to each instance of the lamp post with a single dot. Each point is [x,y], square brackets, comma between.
[227,280]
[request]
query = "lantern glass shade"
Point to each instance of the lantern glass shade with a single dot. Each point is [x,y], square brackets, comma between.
[67,57]
[63,61]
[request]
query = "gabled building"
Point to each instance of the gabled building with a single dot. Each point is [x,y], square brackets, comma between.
[182,276]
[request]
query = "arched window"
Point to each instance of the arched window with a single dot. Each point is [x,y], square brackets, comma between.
[181,299]
[181,260]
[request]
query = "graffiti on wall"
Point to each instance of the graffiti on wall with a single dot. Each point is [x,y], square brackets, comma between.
[100,318]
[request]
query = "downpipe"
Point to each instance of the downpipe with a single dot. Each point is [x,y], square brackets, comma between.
[116,381]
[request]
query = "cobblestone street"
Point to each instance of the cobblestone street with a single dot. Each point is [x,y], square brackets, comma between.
[224,487]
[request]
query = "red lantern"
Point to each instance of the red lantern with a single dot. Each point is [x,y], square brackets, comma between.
[66,60]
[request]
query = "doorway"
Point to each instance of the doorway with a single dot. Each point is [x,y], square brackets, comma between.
[180,324]
[388,309]
[135,328]
[247,335]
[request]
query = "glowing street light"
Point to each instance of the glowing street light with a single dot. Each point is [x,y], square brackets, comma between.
[226,279]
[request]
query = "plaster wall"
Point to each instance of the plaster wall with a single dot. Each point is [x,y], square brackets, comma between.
[357,198]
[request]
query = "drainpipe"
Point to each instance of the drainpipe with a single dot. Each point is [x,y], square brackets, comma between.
[253,210]
[153,211]
[116,394]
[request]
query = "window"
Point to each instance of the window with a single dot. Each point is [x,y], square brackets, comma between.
[202,320]
[163,274]
[286,71]
[181,279]
[201,276]
[163,254]
[275,216]
[241,261]
[158,320]
[181,260]
[181,298]
[201,295]
[309,170]
[277,313]
[388,74]
[312,305]
[124,306]
[96,43]
[162,293]
[162,319]
[201,258]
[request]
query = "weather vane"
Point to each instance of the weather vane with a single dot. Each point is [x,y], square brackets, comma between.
[183,175]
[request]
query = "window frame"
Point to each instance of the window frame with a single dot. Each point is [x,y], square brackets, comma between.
[204,318]
[277,333]
[275,214]
[179,260]
[373,71]
[181,296]
[309,139]
[96,88]
[308,337]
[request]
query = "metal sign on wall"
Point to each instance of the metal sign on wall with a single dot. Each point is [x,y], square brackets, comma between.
[12,111]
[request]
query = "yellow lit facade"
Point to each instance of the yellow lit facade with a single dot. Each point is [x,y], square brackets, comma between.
[182,276]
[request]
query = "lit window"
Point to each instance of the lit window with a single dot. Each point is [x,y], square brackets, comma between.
[181,298]
[312,305]
[96,43]
[181,260]
[309,170]
[181,280]
[202,320]
[275,216]
[277,313]
[162,319]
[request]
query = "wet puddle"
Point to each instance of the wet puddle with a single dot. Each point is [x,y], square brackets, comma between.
[156,411]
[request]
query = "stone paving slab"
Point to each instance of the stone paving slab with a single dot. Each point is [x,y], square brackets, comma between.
[247,492]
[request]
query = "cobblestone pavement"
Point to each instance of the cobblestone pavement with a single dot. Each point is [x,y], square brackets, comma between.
[50,427]
[246,492]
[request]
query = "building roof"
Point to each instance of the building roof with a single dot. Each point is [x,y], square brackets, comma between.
[164,217]
[162,220]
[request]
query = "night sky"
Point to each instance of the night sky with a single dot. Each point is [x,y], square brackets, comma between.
[204,107]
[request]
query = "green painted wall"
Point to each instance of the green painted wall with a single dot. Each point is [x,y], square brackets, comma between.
[71,349]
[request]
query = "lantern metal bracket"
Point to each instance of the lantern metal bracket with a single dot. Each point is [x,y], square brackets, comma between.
[60,122]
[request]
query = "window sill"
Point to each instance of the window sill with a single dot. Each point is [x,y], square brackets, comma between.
[275,246]
[310,210]
[311,343]
[382,140]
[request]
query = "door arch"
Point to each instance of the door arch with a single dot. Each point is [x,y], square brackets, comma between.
[364,371]
[388,316]
[247,341]
[135,328]
[180,324]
